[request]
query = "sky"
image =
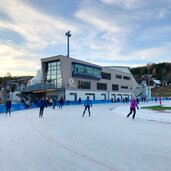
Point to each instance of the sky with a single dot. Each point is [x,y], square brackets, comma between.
[105,32]
[63,140]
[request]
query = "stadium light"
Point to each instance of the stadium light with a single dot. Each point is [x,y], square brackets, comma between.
[68,34]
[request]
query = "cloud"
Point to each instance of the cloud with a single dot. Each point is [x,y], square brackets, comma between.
[35,27]
[120,30]
[12,60]
[155,54]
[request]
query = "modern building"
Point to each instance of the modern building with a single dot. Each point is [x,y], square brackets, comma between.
[73,79]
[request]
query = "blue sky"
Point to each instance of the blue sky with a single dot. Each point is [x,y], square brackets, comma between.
[105,32]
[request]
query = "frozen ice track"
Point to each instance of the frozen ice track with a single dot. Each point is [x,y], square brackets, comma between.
[64,141]
[79,154]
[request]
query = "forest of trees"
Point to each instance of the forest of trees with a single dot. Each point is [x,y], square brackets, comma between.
[9,77]
[161,71]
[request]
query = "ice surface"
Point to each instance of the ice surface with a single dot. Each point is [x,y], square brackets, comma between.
[63,140]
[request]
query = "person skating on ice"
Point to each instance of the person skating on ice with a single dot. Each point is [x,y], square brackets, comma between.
[54,103]
[8,107]
[87,105]
[133,107]
[42,105]
[61,103]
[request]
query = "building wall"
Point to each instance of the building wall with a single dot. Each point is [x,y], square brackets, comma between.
[95,95]
[70,83]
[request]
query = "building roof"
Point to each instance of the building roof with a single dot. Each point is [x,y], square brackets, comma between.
[157,81]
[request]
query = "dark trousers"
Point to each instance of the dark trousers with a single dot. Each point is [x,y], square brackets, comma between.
[41,111]
[8,110]
[134,112]
[54,105]
[60,105]
[86,107]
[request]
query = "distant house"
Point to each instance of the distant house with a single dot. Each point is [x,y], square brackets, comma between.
[156,83]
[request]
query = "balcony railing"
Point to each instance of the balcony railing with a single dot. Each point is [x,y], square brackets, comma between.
[39,86]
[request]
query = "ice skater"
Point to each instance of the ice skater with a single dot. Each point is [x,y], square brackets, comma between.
[87,105]
[61,103]
[8,107]
[133,107]
[42,105]
[54,103]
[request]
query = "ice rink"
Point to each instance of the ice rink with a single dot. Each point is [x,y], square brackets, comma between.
[63,140]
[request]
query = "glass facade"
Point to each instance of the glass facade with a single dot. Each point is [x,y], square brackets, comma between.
[53,73]
[86,71]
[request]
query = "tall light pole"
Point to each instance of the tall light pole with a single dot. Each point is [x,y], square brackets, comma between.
[68,34]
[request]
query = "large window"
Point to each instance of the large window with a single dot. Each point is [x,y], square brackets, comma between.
[53,73]
[101,86]
[118,76]
[106,76]
[115,87]
[124,87]
[126,78]
[84,85]
[85,71]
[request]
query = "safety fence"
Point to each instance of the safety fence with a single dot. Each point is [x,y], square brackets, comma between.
[24,106]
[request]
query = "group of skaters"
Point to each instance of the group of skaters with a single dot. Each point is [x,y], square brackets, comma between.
[42,103]
[87,106]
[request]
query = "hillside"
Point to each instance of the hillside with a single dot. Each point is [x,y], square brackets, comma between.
[161,71]
[161,91]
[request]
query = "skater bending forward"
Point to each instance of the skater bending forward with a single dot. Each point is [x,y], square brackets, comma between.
[87,105]
[133,107]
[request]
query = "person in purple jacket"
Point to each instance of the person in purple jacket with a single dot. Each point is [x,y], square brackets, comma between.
[133,107]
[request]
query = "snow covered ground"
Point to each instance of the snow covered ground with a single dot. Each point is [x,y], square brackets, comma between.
[64,141]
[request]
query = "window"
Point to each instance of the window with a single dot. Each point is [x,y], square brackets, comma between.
[115,87]
[124,87]
[101,86]
[126,78]
[106,76]
[53,73]
[118,76]
[85,71]
[84,85]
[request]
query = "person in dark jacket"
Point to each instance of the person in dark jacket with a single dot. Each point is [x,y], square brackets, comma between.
[79,100]
[87,105]
[133,107]
[42,105]
[61,103]
[8,105]
[54,103]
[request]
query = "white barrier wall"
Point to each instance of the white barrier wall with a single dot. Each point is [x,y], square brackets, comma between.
[75,95]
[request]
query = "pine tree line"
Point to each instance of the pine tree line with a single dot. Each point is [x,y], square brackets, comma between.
[161,71]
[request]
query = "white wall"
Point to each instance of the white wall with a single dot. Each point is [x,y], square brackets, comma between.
[69,95]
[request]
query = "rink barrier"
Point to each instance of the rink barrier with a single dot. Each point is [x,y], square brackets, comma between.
[16,107]
[23,106]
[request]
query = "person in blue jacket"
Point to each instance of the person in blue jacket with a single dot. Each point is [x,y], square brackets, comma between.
[87,105]
[42,105]
[8,107]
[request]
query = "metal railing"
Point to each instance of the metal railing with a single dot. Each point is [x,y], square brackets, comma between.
[39,86]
